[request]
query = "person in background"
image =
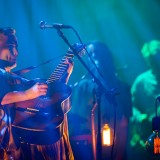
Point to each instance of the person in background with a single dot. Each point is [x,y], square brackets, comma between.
[9,95]
[83,99]
[145,90]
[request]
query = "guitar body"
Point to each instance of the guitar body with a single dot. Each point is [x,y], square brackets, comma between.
[38,118]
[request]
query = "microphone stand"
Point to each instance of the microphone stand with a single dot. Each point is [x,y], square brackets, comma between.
[110,95]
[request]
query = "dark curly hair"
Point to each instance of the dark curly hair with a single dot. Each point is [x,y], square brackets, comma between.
[8,34]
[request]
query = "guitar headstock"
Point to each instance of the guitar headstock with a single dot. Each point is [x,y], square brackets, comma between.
[78,48]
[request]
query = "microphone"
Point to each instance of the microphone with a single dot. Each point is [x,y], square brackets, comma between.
[44,25]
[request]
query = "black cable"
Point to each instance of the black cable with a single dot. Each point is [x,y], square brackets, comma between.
[157,99]
[114,129]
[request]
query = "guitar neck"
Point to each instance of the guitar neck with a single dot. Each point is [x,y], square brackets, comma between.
[60,69]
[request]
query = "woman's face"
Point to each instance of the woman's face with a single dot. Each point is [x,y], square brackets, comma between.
[9,53]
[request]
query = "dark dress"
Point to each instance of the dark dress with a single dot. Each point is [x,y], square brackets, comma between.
[82,104]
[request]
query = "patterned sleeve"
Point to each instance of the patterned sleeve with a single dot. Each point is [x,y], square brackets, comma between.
[4,87]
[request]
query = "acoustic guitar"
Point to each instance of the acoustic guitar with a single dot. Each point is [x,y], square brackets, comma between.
[40,120]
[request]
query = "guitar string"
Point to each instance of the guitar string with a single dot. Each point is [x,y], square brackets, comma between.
[41,102]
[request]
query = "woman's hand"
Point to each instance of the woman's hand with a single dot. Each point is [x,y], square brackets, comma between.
[70,68]
[39,89]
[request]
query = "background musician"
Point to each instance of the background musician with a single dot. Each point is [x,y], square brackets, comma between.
[83,98]
[145,90]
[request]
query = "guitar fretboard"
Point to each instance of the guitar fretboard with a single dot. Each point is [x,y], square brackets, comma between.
[61,68]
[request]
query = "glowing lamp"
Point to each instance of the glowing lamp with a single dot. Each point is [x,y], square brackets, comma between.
[153,142]
[107,137]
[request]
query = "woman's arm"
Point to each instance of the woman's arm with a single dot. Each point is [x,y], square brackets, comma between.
[35,91]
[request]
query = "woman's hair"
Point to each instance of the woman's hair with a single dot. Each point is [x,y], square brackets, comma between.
[7,36]
[102,55]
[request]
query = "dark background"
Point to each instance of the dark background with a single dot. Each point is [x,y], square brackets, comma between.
[123,25]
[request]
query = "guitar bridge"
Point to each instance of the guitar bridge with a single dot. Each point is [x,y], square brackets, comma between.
[32,110]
